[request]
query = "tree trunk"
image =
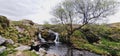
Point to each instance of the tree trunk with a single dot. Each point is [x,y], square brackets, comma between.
[70,51]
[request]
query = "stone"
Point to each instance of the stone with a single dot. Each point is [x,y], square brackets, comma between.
[42,52]
[36,48]
[10,41]
[2,40]
[51,55]
[2,49]
[22,48]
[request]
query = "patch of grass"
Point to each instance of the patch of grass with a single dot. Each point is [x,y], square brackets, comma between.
[5,53]
[29,53]
[8,51]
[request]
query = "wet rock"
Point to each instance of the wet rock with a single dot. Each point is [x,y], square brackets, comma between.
[51,36]
[51,55]
[45,45]
[10,41]
[2,49]
[2,40]
[42,52]
[36,48]
[22,48]
[48,35]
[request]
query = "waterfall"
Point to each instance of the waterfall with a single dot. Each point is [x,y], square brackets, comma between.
[40,37]
[57,38]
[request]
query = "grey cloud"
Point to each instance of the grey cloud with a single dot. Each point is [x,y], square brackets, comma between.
[19,7]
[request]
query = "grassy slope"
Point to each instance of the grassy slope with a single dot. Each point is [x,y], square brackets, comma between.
[12,33]
[104,47]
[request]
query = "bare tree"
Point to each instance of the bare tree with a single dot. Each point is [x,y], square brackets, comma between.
[82,12]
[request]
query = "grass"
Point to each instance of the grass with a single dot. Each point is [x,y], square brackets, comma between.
[106,47]
[5,53]
[8,51]
[14,53]
[29,53]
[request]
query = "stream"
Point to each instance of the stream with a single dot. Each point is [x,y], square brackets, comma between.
[62,49]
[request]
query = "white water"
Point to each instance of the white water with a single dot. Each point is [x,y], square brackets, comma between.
[40,37]
[50,31]
[57,38]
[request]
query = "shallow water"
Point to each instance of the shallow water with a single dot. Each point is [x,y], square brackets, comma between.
[62,50]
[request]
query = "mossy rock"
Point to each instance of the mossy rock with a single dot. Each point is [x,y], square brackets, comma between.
[4,22]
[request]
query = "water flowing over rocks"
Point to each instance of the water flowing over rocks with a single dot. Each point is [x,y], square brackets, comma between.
[49,37]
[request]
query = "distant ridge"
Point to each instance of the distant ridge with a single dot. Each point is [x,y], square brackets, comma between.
[116,25]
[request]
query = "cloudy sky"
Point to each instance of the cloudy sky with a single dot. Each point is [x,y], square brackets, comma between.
[36,10]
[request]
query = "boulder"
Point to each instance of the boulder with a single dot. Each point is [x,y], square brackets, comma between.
[42,52]
[2,40]
[51,36]
[48,35]
[22,48]
[2,49]
[10,41]
[36,48]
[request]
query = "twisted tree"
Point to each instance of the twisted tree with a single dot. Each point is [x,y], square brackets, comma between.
[82,12]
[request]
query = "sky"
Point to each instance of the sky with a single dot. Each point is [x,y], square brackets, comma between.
[36,10]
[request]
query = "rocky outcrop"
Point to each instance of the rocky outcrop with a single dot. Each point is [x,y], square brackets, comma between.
[2,49]
[48,35]
[90,36]
[4,22]
[2,40]
[8,41]
[27,22]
